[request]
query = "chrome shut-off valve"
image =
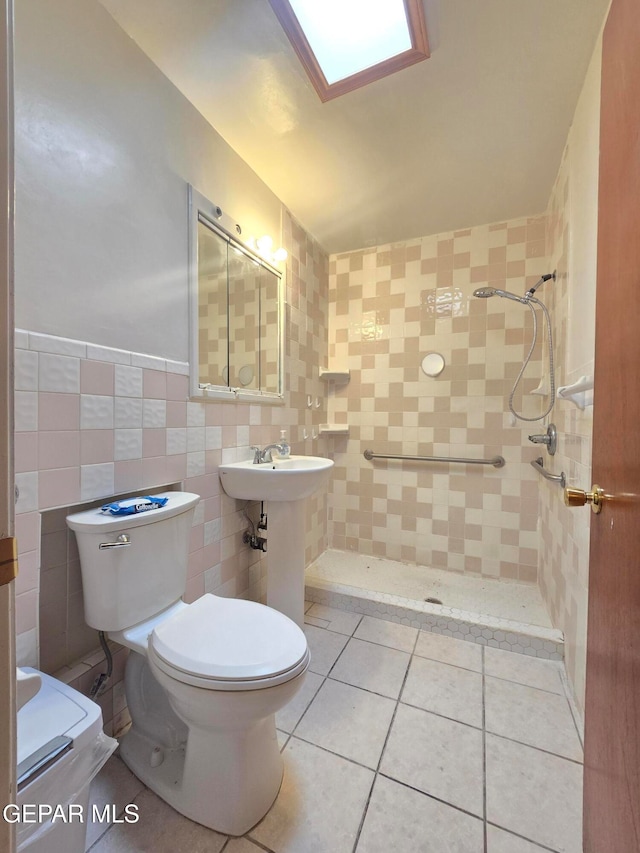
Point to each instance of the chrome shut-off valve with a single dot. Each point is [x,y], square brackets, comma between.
[550,439]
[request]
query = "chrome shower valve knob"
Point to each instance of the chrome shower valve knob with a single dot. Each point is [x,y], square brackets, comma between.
[550,438]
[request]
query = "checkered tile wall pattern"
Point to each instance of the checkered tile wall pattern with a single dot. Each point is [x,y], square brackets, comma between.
[391,305]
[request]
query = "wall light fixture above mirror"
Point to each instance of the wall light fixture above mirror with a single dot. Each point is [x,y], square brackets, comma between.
[236,312]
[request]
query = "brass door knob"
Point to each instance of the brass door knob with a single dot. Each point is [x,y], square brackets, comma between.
[577,497]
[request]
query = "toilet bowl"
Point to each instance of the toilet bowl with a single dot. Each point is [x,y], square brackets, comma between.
[203,681]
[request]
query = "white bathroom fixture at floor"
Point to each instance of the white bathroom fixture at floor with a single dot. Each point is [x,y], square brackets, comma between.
[283,484]
[61,747]
[203,680]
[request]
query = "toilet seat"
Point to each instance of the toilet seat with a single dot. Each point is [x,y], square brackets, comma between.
[229,644]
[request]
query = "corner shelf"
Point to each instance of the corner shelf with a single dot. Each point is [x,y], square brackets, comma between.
[334,429]
[334,375]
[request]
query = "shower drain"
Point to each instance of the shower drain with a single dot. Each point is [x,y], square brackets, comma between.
[433,600]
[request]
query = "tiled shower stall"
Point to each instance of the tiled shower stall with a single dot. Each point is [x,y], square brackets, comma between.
[389,307]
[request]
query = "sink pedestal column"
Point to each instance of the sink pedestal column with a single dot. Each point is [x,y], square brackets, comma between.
[285,558]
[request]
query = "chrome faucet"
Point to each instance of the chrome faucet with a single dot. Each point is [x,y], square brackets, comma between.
[261,456]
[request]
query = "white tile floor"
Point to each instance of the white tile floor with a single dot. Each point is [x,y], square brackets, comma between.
[399,739]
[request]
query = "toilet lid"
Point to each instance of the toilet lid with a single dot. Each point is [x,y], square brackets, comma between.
[229,639]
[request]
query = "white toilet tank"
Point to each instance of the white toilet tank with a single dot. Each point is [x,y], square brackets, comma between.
[147,570]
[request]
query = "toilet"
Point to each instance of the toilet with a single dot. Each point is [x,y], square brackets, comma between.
[204,680]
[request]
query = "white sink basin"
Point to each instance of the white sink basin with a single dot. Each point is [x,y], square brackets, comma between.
[290,479]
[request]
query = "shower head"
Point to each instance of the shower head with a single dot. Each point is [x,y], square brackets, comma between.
[486,292]
[540,282]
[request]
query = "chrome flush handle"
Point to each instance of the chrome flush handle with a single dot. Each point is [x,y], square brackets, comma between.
[122,542]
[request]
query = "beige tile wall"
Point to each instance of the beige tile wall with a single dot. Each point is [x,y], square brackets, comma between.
[564,543]
[389,306]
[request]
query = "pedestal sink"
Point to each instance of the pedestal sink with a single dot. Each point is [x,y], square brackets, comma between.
[283,484]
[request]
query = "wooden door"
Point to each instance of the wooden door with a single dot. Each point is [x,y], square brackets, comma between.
[7,628]
[612,713]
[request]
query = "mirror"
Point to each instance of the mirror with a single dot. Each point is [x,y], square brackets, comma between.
[212,308]
[236,314]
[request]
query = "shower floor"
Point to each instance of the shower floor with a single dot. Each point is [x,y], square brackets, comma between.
[520,602]
[509,614]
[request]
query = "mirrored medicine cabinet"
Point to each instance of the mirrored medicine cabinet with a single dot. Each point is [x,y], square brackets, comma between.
[236,312]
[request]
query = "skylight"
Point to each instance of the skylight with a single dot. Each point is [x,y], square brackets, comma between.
[350,36]
[345,44]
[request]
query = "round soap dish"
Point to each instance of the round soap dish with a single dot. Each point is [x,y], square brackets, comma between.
[433,364]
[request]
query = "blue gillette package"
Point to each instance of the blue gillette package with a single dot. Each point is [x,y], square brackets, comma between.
[130,506]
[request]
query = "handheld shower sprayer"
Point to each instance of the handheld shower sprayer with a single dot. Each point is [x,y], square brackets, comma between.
[528,299]
[486,292]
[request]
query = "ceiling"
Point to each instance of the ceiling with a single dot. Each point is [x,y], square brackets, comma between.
[472,135]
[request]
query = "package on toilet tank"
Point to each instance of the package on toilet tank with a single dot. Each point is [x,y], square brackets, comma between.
[131,506]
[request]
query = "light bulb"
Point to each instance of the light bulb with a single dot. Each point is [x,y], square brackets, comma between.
[264,244]
[280,255]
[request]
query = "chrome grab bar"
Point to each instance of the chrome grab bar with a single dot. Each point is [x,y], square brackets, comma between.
[122,542]
[560,479]
[496,461]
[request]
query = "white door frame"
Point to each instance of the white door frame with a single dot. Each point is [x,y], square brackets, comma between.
[7,593]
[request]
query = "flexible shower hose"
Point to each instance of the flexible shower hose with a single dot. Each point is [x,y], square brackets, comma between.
[528,359]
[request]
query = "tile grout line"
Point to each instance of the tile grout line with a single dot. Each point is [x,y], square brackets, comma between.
[335,754]
[523,837]
[121,812]
[576,761]
[530,686]
[309,704]
[384,746]
[443,716]
[324,677]
[432,797]
[251,840]
[287,739]
[578,721]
